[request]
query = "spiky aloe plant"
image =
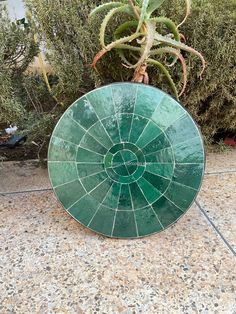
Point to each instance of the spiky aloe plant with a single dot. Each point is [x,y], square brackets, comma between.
[143,42]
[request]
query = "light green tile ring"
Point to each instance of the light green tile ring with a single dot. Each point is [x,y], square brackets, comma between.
[126,160]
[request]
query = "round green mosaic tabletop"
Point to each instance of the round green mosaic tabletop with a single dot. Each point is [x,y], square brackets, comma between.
[126,160]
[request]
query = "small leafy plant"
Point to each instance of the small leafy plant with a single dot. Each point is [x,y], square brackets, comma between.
[138,41]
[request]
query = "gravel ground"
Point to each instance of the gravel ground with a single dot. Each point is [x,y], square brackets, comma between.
[51,264]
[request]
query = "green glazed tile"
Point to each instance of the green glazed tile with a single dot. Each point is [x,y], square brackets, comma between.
[164,170]
[111,126]
[159,143]
[102,102]
[100,192]
[149,191]
[124,121]
[70,192]
[188,174]
[84,209]
[124,97]
[147,101]
[125,199]
[181,130]
[83,113]
[89,142]
[189,152]
[92,181]
[181,196]
[125,226]
[112,197]
[69,130]
[62,172]
[167,112]
[126,160]
[151,131]
[102,222]
[138,125]
[158,182]
[60,150]
[166,211]
[83,170]
[99,133]
[84,155]
[138,199]
[147,221]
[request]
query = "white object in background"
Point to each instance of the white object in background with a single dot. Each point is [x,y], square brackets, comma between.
[11,129]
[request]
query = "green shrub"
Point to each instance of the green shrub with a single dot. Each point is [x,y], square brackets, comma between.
[72,42]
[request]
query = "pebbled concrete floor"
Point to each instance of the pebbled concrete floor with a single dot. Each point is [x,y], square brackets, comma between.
[49,263]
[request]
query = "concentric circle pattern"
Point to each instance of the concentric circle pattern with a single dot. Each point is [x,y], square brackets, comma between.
[126,160]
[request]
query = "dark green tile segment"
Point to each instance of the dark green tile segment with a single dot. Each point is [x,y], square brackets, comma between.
[124,97]
[147,221]
[83,113]
[124,122]
[188,174]
[99,133]
[162,156]
[125,199]
[85,169]
[102,102]
[88,142]
[100,192]
[149,191]
[62,172]
[138,199]
[159,143]
[180,195]
[158,182]
[182,130]
[84,209]
[69,130]
[84,155]
[102,222]
[151,131]
[125,226]
[92,181]
[164,170]
[147,101]
[167,112]
[159,149]
[112,197]
[166,211]
[60,150]
[69,193]
[189,152]
[111,126]
[138,124]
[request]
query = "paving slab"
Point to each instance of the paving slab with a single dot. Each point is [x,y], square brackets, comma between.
[23,175]
[221,162]
[52,264]
[218,199]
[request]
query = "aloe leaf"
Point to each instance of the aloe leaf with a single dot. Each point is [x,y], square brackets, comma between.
[150,36]
[167,74]
[113,45]
[105,6]
[169,24]
[188,7]
[107,18]
[179,56]
[153,5]
[124,27]
[142,14]
[179,45]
